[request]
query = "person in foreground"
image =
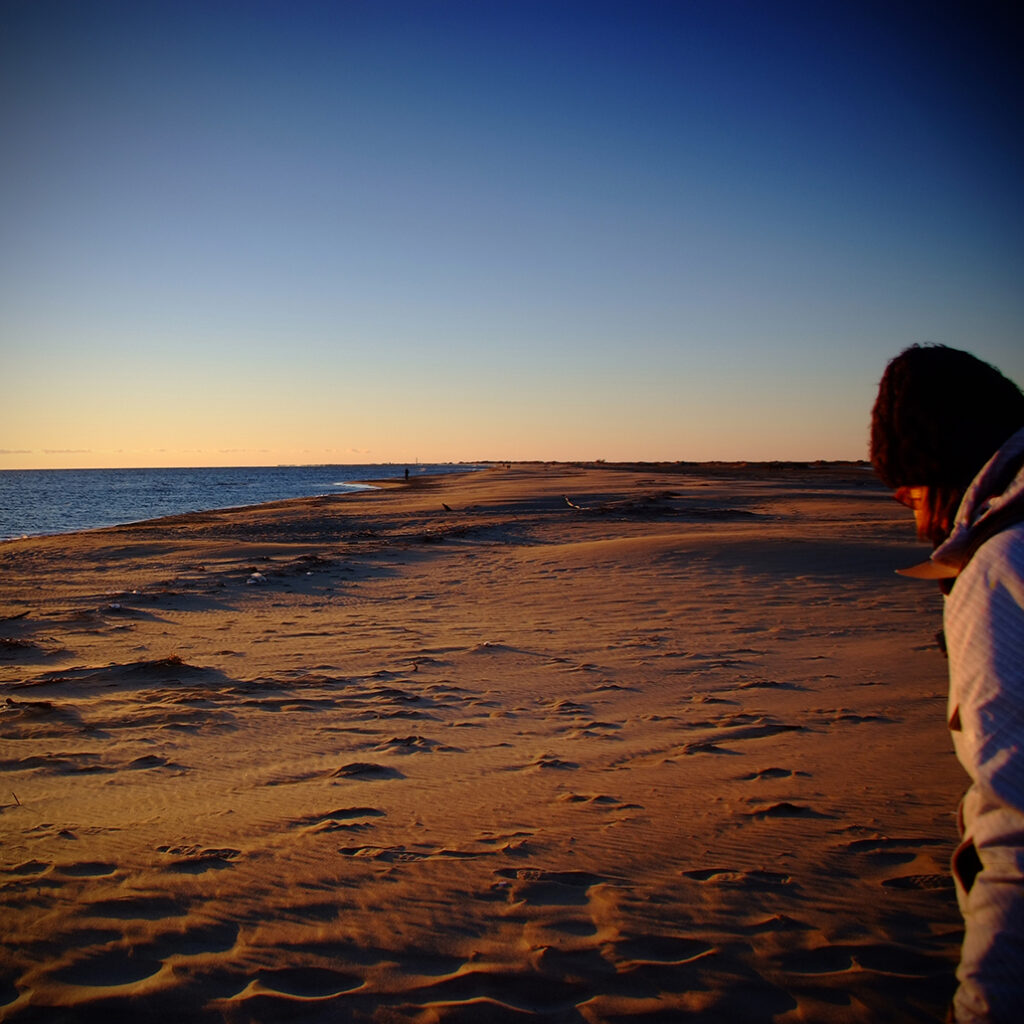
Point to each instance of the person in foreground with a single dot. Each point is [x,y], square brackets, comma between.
[947,434]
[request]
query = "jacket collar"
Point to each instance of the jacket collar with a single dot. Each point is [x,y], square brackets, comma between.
[991,503]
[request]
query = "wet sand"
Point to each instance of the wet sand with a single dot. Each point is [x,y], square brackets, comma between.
[536,743]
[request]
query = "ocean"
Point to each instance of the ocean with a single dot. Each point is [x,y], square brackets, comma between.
[45,501]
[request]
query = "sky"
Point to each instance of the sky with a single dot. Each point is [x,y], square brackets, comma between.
[256,233]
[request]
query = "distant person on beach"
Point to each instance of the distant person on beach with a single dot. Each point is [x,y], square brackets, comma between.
[947,434]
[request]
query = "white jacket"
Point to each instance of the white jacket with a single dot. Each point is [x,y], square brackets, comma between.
[984,626]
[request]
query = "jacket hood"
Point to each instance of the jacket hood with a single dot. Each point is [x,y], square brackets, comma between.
[993,501]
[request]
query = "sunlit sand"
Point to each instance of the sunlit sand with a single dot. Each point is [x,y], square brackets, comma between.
[588,744]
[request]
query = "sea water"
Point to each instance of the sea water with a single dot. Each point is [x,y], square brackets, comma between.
[41,501]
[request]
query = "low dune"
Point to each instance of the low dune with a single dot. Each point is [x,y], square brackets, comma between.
[545,743]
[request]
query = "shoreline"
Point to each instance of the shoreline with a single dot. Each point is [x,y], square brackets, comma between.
[717,469]
[517,743]
[205,499]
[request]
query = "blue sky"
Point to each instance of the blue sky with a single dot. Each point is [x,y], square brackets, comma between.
[371,231]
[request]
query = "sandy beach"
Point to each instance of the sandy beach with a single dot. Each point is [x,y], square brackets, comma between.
[544,742]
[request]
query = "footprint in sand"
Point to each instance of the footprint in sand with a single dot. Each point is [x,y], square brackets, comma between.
[110,968]
[516,844]
[340,814]
[491,994]
[823,960]
[138,908]
[566,707]
[884,852]
[768,684]
[705,747]
[191,860]
[548,761]
[546,888]
[216,937]
[87,869]
[884,843]
[29,867]
[661,949]
[785,810]
[934,881]
[832,716]
[350,819]
[578,927]
[610,803]
[773,773]
[307,982]
[366,772]
[756,879]
[592,730]
[401,854]
[779,923]
[879,959]
[414,745]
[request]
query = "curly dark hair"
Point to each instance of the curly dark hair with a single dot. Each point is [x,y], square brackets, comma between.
[940,415]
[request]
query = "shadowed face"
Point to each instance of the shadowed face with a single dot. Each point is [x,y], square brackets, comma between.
[916,499]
